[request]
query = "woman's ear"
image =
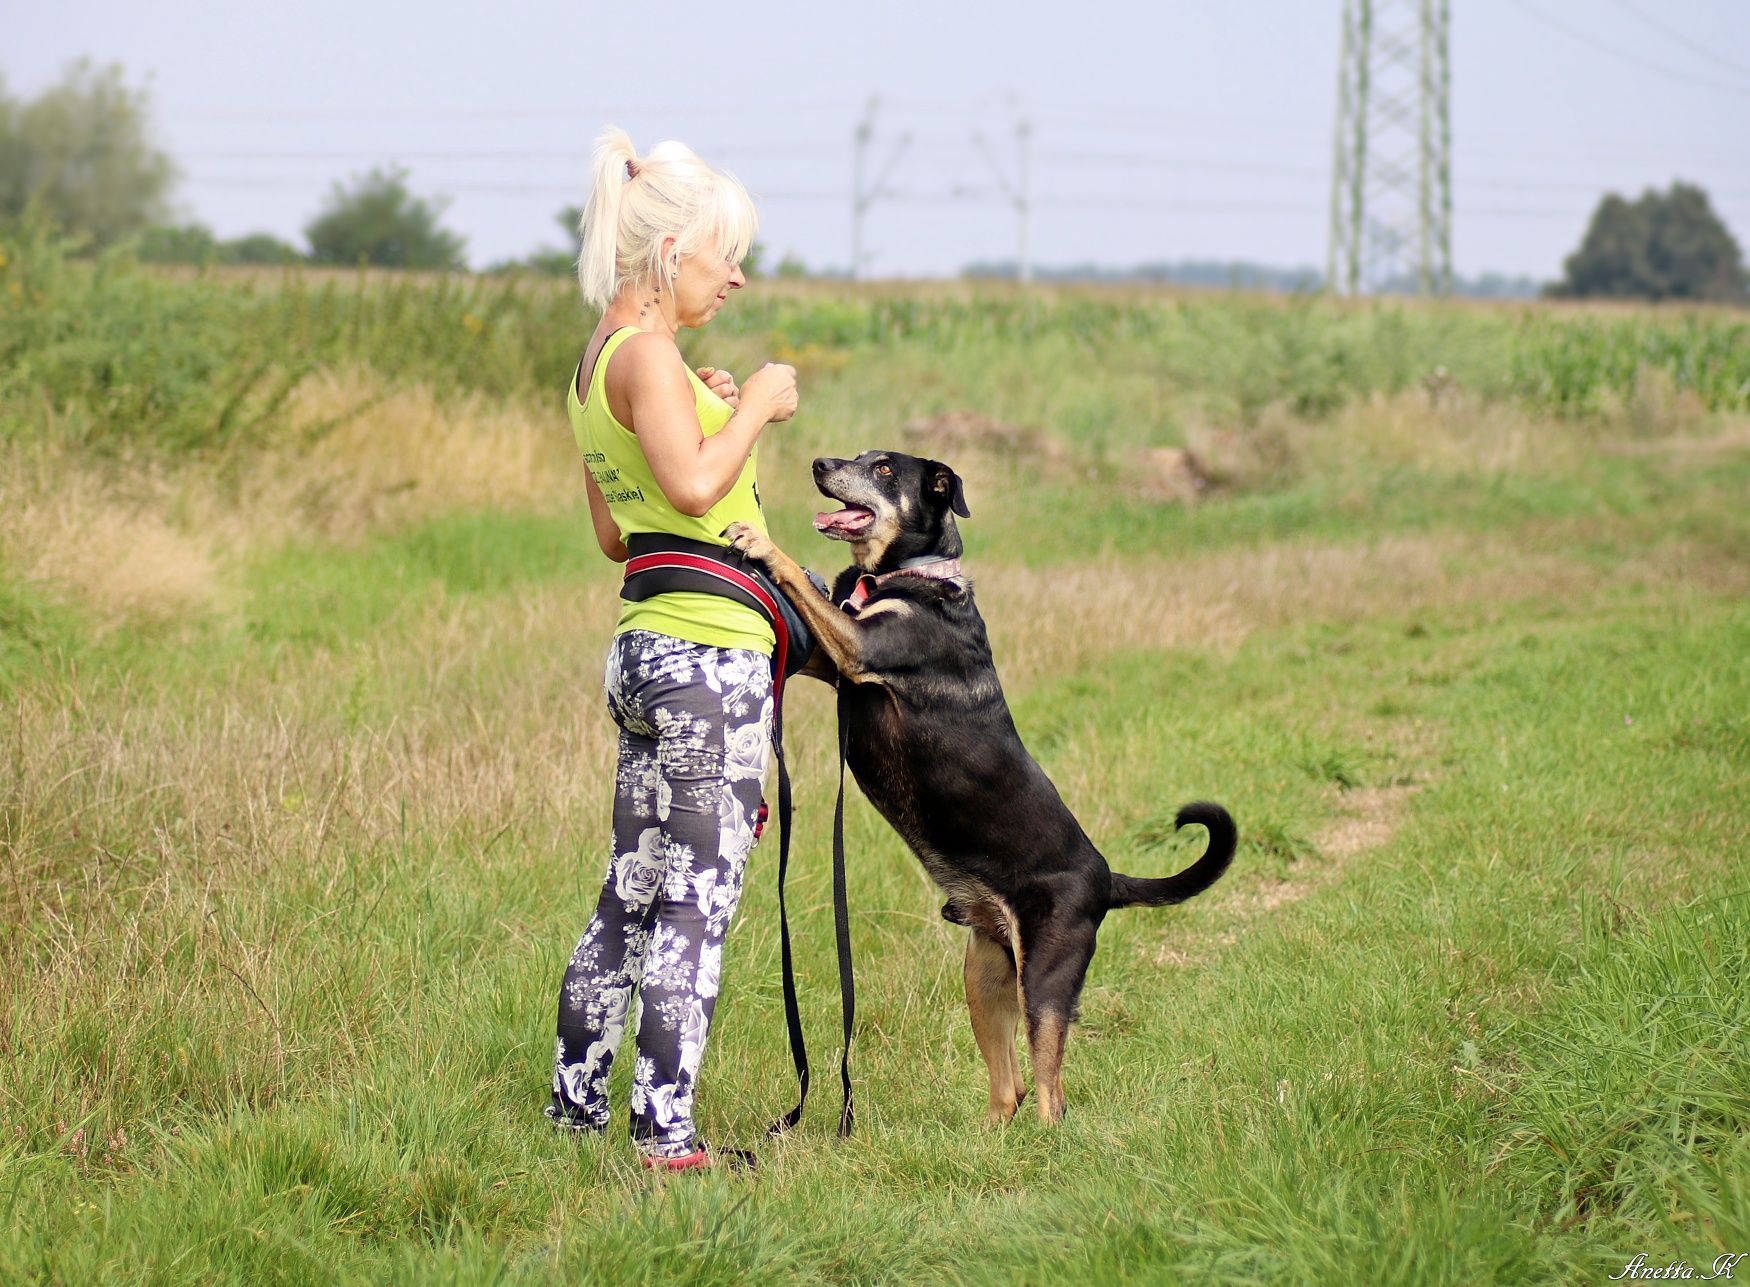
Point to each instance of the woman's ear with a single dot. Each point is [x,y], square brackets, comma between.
[945,483]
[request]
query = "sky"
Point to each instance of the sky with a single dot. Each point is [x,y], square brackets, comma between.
[1160,131]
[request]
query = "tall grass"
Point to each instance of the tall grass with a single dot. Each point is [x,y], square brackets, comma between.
[112,354]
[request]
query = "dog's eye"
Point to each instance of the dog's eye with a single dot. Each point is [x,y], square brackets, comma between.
[884,471]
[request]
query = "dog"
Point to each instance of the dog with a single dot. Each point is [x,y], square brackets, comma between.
[932,745]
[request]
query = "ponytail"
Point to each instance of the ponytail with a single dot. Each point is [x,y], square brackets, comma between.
[598,231]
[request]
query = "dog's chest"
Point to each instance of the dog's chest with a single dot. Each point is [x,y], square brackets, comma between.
[880,759]
[897,754]
[883,767]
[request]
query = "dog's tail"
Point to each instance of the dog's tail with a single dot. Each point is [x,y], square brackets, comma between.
[1129,891]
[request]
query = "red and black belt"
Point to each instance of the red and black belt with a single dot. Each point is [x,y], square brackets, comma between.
[661,564]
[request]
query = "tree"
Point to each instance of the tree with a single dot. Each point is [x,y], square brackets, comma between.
[547,261]
[187,243]
[570,218]
[377,220]
[194,243]
[258,248]
[1660,246]
[82,151]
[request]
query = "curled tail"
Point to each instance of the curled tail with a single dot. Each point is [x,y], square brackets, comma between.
[1129,891]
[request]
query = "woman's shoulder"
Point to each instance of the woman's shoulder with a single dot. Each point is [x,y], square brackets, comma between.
[647,345]
[645,355]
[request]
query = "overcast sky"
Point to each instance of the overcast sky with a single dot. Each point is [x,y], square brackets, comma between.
[1161,131]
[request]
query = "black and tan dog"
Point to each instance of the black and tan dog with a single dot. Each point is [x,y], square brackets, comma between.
[933,747]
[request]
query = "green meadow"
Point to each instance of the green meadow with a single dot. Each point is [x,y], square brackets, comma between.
[305,777]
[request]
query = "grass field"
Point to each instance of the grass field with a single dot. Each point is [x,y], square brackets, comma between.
[305,793]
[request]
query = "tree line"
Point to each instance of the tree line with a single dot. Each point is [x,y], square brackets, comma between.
[81,153]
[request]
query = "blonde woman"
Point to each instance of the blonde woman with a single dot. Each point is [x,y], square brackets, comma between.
[689,678]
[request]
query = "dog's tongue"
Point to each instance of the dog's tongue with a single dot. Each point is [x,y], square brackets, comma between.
[848,519]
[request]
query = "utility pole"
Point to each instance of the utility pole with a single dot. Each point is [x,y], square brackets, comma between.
[1024,199]
[1391,175]
[1019,192]
[863,197]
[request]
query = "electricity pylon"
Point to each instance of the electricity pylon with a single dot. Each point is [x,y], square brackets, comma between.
[1018,192]
[864,195]
[1391,184]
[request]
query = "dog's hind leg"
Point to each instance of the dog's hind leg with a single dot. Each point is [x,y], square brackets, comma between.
[1054,966]
[994,1000]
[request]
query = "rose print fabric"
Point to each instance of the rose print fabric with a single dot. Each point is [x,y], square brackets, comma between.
[695,731]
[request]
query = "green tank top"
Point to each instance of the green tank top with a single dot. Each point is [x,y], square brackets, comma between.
[616,462]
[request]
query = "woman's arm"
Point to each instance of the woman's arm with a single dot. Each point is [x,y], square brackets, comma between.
[607,532]
[694,472]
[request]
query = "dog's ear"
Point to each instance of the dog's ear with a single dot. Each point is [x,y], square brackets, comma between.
[946,485]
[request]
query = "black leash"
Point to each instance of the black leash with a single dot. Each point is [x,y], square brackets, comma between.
[792,1012]
[841,925]
[841,912]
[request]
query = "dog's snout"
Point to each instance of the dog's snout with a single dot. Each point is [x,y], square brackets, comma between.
[824,465]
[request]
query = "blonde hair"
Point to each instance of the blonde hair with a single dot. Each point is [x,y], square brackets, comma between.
[636,201]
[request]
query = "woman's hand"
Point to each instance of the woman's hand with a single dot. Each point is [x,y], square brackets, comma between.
[772,388]
[722,384]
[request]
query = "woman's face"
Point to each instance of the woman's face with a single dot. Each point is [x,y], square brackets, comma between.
[703,283]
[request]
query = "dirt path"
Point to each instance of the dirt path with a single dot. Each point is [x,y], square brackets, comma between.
[1369,818]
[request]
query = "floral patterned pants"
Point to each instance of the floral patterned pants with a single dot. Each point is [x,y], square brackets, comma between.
[695,731]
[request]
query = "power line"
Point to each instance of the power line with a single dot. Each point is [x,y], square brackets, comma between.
[1184,163]
[813,149]
[576,155]
[1645,64]
[1264,170]
[1590,149]
[255,112]
[959,197]
[1113,120]
[1169,204]
[447,186]
[1691,45]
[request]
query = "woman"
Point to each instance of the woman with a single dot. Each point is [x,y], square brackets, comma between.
[689,675]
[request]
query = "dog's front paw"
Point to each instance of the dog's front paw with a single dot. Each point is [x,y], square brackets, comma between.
[749,540]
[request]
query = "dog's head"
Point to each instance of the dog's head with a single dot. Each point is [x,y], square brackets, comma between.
[896,507]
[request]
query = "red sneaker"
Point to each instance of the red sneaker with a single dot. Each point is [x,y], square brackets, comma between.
[704,1159]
